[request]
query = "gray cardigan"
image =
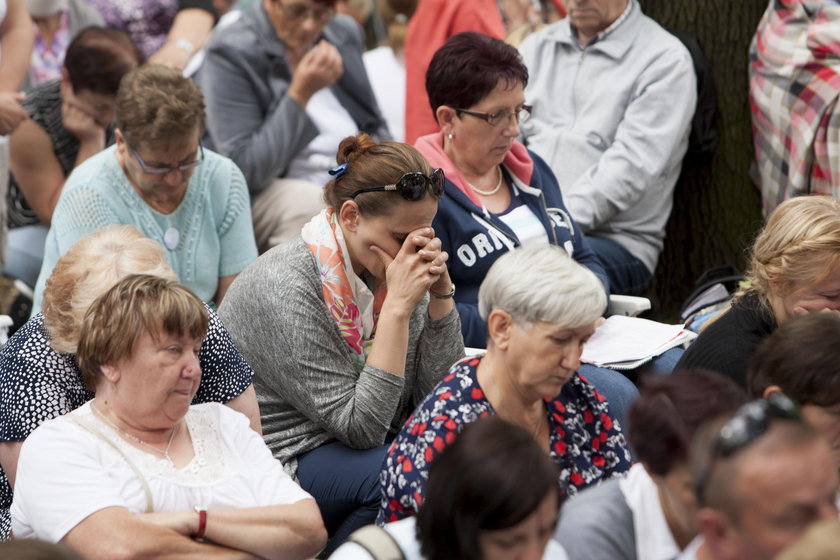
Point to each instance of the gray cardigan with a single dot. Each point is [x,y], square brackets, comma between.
[250,119]
[307,386]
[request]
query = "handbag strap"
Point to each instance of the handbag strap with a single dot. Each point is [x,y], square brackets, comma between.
[377,542]
[84,423]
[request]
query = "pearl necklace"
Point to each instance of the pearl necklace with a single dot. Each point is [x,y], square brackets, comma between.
[136,439]
[492,191]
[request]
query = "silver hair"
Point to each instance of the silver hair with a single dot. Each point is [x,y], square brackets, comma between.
[542,284]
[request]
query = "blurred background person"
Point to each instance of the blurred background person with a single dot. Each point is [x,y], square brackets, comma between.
[649,514]
[285,84]
[55,23]
[71,118]
[762,477]
[507,495]
[385,64]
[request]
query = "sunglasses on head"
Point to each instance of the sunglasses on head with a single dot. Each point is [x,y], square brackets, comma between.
[412,186]
[749,423]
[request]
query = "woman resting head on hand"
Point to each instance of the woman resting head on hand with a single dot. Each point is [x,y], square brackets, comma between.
[139,470]
[349,325]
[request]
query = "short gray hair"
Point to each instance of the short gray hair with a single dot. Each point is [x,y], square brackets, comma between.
[542,284]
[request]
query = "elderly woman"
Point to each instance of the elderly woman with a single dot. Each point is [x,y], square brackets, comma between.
[140,471]
[540,308]
[650,513]
[794,270]
[160,179]
[39,375]
[284,85]
[514,521]
[349,326]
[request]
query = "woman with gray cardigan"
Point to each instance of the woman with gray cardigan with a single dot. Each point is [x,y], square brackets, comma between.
[349,325]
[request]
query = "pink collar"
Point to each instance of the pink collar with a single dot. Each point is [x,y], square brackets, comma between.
[517,161]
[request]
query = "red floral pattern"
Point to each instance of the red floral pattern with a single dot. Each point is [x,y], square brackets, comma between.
[585,441]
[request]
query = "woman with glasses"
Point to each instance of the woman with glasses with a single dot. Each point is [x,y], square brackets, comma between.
[159,179]
[285,84]
[349,325]
[499,195]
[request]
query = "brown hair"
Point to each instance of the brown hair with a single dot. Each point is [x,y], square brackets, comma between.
[137,304]
[799,243]
[158,108]
[395,15]
[99,57]
[800,357]
[372,165]
[95,263]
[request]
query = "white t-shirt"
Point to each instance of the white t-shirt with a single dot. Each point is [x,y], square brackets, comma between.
[404,534]
[654,540]
[66,473]
[387,78]
[334,124]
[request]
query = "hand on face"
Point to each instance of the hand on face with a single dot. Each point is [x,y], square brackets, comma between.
[11,112]
[80,122]
[419,265]
[318,68]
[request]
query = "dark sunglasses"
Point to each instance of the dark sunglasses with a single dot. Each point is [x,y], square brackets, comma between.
[412,186]
[749,423]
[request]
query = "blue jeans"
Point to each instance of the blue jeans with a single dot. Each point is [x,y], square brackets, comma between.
[627,274]
[25,253]
[345,483]
[619,391]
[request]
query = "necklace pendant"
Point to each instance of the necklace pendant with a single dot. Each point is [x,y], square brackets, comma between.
[172,238]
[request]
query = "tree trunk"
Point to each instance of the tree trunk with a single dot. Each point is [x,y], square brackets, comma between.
[717,209]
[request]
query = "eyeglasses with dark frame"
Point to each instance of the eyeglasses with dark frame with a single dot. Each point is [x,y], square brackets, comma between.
[501,118]
[154,170]
[412,186]
[300,12]
[749,423]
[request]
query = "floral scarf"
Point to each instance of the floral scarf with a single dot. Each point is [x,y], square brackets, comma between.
[352,305]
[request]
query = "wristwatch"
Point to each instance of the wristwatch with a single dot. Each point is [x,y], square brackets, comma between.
[450,295]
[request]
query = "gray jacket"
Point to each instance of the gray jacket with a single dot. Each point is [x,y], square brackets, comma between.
[307,386]
[250,118]
[612,121]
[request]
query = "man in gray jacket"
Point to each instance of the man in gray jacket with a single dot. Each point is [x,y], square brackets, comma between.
[613,96]
[284,84]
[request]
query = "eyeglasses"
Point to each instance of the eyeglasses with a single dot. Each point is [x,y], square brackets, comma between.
[749,423]
[301,12]
[154,170]
[501,118]
[412,186]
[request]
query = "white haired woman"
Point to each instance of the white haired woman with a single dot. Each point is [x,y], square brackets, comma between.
[140,472]
[39,376]
[540,307]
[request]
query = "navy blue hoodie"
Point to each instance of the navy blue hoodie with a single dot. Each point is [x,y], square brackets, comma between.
[474,238]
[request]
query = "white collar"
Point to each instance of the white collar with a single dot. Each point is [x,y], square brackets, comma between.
[654,540]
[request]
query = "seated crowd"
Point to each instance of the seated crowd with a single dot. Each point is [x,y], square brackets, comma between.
[260,328]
